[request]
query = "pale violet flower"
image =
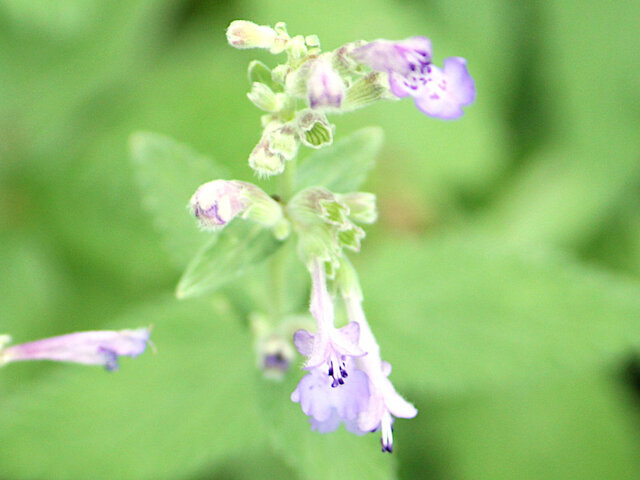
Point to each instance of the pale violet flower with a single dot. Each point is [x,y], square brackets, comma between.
[437,92]
[384,402]
[102,347]
[329,347]
[218,202]
[328,406]
[325,87]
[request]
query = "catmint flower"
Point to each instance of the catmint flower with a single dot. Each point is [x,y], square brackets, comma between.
[384,402]
[89,348]
[325,87]
[437,92]
[329,347]
[328,406]
[218,202]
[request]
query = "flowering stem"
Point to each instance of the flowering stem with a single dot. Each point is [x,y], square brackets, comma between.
[279,260]
[287,180]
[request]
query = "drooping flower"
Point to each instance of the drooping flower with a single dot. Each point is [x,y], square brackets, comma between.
[329,347]
[437,92]
[102,347]
[384,402]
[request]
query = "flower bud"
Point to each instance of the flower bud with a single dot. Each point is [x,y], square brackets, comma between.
[218,202]
[244,34]
[325,87]
[315,130]
[263,98]
[284,141]
[296,47]
[265,161]
[362,206]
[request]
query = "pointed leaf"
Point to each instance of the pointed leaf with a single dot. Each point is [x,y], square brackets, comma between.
[168,174]
[229,253]
[342,167]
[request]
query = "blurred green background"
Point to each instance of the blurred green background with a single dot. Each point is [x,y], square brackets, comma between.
[502,280]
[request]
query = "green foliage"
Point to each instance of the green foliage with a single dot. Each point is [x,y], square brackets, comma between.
[342,167]
[164,415]
[506,344]
[230,253]
[473,314]
[168,174]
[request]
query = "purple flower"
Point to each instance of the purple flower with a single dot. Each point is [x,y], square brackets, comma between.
[89,348]
[437,92]
[327,406]
[384,401]
[218,202]
[328,346]
[324,86]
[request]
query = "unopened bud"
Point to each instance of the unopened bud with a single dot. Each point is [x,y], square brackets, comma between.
[296,47]
[263,98]
[218,202]
[362,206]
[244,34]
[325,87]
[284,141]
[265,161]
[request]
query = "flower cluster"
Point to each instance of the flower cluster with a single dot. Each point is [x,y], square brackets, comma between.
[352,76]
[347,382]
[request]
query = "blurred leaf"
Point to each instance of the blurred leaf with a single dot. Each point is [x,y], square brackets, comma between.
[466,312]
[342,167]
[584,427]
[168,174]
[569,189]
[230,253]
[160,416]
[335,456]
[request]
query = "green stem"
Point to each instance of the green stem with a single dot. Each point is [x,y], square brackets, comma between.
[279,260]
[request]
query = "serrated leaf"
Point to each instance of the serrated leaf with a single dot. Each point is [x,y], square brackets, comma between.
[464,312]
[333,456]
[168,174]
[167,415]
[229,254]
[342,167]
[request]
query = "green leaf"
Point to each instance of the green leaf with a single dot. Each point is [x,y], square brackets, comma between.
[334,456]
[466,312]
[259,72]
[582,427]
[241,245]
[342,167]
[163,415]
[168,174]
